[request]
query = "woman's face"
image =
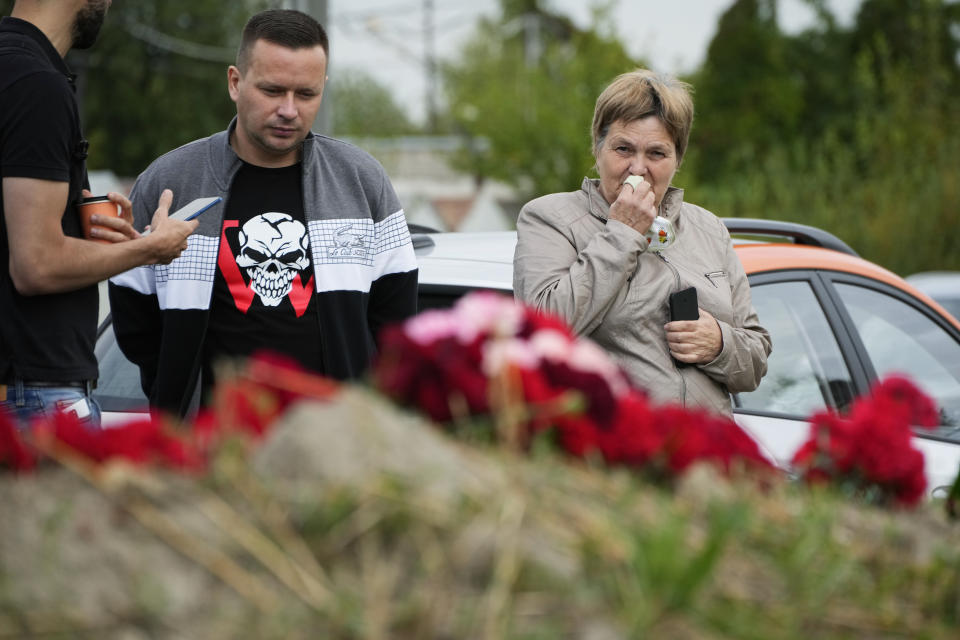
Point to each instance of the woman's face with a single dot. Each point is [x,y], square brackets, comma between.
[639,147]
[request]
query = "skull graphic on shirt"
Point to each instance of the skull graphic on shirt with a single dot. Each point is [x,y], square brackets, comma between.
[273,249]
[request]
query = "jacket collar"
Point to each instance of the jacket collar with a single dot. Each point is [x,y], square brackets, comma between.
[669,207]
[9,24]
[226,162]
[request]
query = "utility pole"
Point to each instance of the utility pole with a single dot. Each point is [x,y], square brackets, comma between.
[532,43]
[318,10]
[430,64]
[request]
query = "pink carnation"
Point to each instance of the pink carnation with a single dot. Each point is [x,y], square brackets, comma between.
[587,356]
[499,353]
[485,312]
[580,355]
[431,326]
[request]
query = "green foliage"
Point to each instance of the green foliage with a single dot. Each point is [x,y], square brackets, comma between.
[364,108]
[531,106]
[871,151]
[663,575]
[143,93]
[141,99]
[853,129]
[745,91]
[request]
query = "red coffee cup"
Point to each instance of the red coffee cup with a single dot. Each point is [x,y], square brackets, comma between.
[99,205]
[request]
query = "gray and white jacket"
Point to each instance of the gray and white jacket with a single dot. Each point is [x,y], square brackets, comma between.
[160,312]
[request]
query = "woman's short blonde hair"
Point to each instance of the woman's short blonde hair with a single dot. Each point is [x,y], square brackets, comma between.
[642,93]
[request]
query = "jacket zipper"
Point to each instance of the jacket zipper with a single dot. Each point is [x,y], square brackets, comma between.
[676,278]
[714,274]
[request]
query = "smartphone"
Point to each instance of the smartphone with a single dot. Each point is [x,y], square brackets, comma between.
[683,305]
[194,208]
[191,210]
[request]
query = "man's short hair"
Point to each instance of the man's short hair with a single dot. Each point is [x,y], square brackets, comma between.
[642,93]
[285,27]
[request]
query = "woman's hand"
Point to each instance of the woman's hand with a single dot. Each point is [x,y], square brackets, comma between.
[695,341]
[114,229]
[635,206]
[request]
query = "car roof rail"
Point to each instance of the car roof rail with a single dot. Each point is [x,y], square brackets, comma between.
[421,241]
[799,233]
[413,227]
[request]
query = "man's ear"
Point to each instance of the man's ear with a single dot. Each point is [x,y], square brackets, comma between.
[323,88]
[233,82]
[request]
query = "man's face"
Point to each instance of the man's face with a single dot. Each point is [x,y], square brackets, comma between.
[86,26]
[277,100]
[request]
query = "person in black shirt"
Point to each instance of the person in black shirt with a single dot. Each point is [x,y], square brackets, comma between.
[48,272]
[309,257]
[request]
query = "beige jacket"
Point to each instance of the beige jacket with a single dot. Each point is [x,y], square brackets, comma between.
[597,273]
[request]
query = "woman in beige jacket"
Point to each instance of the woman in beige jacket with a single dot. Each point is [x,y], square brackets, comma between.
[584,256]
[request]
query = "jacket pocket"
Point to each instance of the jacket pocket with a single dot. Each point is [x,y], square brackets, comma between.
[717,297]
[718,278]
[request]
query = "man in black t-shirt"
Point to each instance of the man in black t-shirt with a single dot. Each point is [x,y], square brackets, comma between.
[48,273]
[310,256]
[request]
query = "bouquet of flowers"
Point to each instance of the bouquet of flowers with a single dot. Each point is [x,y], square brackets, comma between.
[490,355]
[869,452]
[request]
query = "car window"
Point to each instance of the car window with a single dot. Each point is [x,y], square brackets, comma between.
[118,388]
[805,371]
[900,339]
[952,305]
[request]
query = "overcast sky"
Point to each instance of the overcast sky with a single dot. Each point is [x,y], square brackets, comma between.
[385,37]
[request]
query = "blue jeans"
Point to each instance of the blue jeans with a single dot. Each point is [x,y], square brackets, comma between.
[24,403]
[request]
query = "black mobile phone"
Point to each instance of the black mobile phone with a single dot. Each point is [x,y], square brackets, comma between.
[683,305]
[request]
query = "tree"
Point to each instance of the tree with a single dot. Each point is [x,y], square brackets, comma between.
[156,78]
[363,108]
[523,92]
[851,129]
[748,98]
[921,34]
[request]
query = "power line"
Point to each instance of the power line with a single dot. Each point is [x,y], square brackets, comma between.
[371,21]
[179,46]
[400,10]
[226,55]
[430,63]
[406,9]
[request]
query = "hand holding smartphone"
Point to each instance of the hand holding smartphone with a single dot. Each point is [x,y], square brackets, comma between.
[683,306]
[191,210]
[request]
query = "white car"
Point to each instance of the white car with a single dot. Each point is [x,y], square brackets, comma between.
[838,324]
[942,286]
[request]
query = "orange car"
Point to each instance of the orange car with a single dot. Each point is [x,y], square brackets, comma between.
[838,324]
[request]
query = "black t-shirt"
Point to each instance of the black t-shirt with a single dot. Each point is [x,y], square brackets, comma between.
[264,294]
[48,337]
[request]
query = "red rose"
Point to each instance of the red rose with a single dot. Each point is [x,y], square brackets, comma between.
[578,436]
[872,449]
[13,453]
[898,392]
